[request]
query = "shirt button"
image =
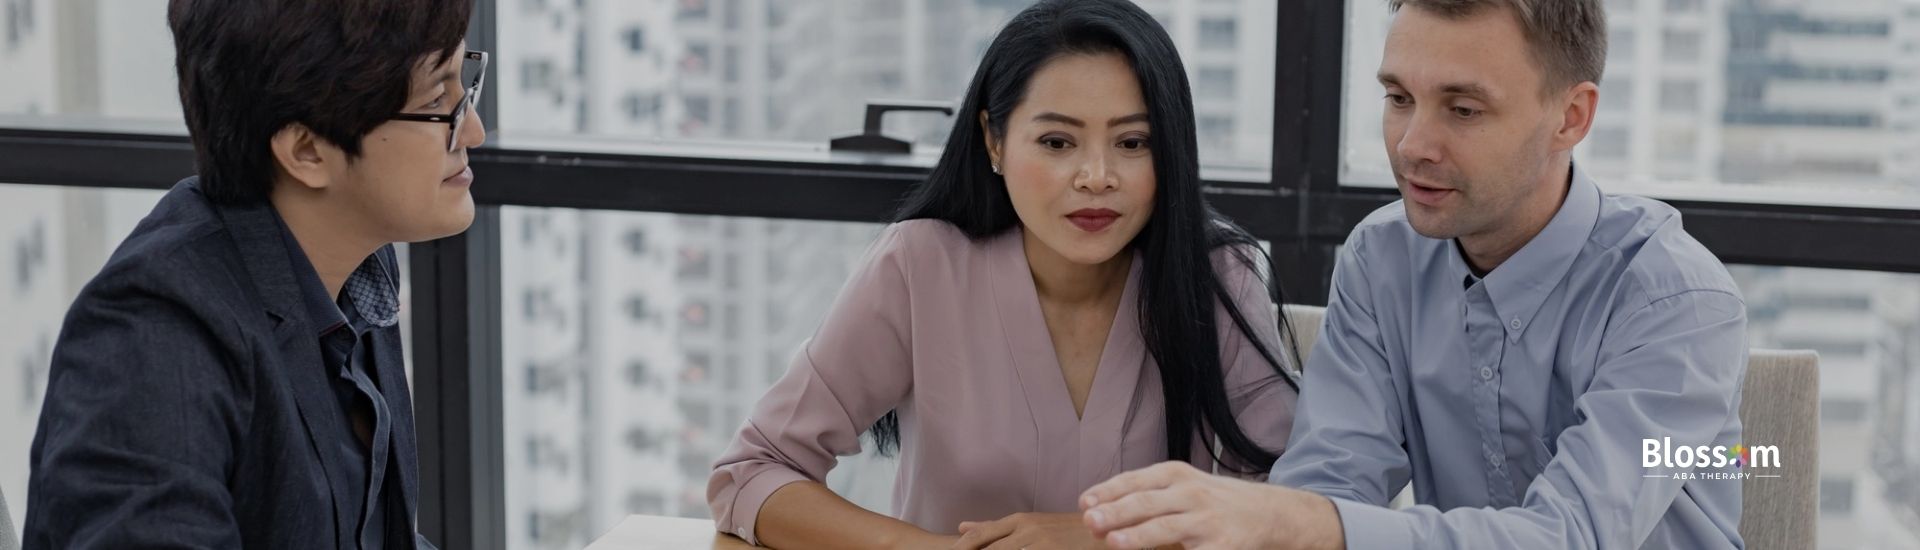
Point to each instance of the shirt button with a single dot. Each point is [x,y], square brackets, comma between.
[1515,323]
[1493,459]
[1486,373]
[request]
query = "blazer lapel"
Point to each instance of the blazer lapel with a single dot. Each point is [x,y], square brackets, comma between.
[391,362]
[296,349]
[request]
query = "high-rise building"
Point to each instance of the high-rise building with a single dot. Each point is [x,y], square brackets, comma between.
[1904,110]
[635,345]
[1227,47]
[1811,92]
[1661,96]
[544,354]
[26,46]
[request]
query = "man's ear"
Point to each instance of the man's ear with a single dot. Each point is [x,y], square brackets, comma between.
[302,156]
[1577,111]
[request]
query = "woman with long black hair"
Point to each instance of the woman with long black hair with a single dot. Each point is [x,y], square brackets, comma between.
[1055,305]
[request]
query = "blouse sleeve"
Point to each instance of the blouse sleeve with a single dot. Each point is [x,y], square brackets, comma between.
[855,369]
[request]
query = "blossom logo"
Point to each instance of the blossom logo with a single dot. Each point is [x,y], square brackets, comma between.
[1743,459]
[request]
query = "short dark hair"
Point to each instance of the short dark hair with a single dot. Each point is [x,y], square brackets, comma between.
[248,68]
[1567,38]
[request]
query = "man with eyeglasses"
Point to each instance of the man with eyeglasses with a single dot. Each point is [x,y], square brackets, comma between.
[233,378]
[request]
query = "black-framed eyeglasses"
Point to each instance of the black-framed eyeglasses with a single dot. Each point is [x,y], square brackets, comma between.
[473,73]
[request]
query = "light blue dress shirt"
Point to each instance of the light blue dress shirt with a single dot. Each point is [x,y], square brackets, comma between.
[1517,403]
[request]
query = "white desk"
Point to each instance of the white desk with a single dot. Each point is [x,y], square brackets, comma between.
[665,533]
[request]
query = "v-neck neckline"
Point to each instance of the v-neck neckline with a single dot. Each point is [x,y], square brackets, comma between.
[1037,360]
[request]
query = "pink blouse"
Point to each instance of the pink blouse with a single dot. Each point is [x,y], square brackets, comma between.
[948,331]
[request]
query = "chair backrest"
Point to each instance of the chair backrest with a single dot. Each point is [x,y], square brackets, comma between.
[1779,406]
[8,539]
[1305,323]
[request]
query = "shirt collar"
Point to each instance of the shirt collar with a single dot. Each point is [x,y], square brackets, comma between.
[1521,284]
[370,290]
[375,293]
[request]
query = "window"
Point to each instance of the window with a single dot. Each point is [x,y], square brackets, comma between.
[1683,6]
[1215,83]
[656,387]
[1217,34]
[691,11]
[635,38]
[540,75]
[1608,143]
[637,373]
[544,379]
[1616,94]
[699,111]
[814,65]
[1676,146]
[696,314]
[1682,46]
[698,60]
[640,441]
[1836,496]
[1864,325]
[1843,411]
[1620,44]
[636,241]
[1215,130]
[730,59]
[126,54]
[637,308]
[642,106]
[694,264]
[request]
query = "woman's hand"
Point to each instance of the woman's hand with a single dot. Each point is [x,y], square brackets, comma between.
[1172,502]
[1028,532]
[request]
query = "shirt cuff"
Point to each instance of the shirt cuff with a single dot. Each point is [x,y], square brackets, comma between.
[1369,527]
[752,495]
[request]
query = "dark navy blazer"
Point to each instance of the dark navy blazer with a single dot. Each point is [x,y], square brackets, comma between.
[188,405]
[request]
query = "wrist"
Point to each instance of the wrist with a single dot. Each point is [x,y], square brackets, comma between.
[1331,531]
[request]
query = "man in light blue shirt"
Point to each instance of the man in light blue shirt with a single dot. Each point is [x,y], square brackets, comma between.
[1505,338]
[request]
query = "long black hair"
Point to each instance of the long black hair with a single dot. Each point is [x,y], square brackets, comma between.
[1178,286]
